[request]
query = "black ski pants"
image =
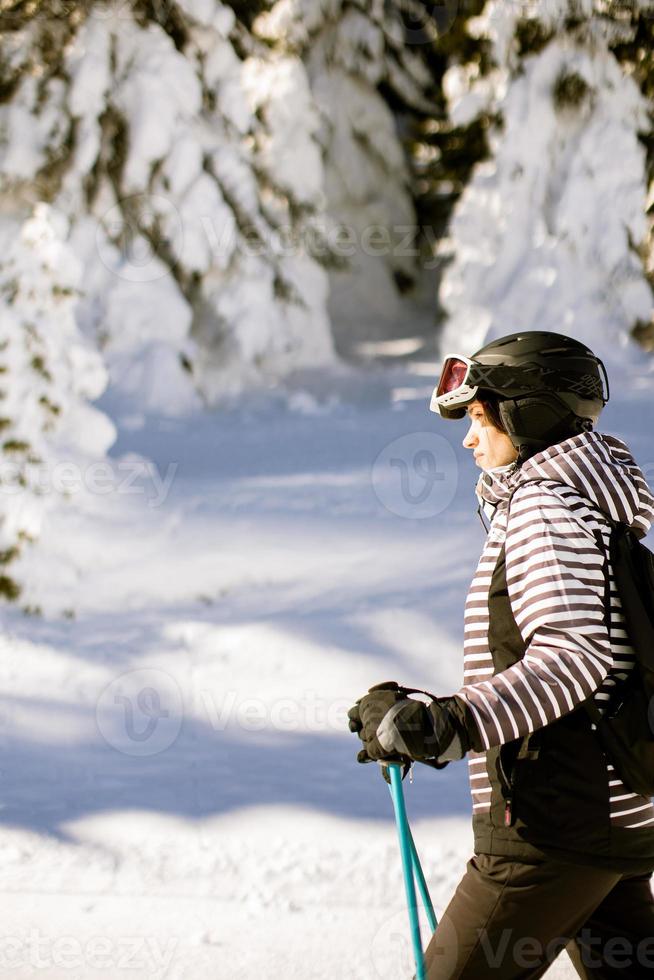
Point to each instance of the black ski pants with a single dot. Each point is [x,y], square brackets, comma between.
[509,919]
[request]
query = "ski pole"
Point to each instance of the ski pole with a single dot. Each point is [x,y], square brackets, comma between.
[410,867]
[422,885]
[418,872]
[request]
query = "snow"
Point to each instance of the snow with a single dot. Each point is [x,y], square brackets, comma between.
[144,319]
[291,152]
[367,195]
[89,67]
[50,371]
[28,125]
[210,13]
[348,51]
[157,89]
[178,778]
[175,166]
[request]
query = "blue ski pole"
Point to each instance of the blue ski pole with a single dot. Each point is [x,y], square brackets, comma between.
[422,886]
[410,867]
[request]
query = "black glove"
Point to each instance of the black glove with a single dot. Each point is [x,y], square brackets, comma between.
[366,716]
[392,725]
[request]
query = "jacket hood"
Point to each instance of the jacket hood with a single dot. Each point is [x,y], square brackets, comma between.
[599,467]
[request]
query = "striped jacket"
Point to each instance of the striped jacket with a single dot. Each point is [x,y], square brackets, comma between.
[552,576]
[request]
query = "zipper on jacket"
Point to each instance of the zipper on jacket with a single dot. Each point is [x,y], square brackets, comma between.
[508,812]
[508,801]
[508,786]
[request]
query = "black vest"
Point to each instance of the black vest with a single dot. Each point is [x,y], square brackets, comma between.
[550,792]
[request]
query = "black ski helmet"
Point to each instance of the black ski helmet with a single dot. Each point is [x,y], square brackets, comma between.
[549,387]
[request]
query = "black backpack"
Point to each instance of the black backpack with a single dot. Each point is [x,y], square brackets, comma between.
[626,730]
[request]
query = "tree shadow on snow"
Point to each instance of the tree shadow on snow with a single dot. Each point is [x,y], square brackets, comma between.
[205,773]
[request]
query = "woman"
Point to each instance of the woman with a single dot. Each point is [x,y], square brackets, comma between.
[563,849]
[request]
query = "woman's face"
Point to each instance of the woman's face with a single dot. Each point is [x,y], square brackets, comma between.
[491,447]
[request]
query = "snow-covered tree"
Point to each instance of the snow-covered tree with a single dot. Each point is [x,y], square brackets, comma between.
[48,374]
[216,161]
[186,158]
[635,52]
[367,78]
[443,148]
[548,233]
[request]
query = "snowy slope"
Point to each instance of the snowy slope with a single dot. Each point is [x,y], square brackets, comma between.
[179,792]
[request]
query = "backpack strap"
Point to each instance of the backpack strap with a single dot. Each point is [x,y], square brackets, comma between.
[591,708]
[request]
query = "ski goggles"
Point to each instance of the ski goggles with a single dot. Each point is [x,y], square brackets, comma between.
[461,378]
[456,385]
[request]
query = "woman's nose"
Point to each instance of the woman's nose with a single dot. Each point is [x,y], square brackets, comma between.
[470,439]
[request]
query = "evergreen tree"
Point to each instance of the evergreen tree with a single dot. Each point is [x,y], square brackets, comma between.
[49,373]
[446,145]
[364,76]
[167,134]
[635,52]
